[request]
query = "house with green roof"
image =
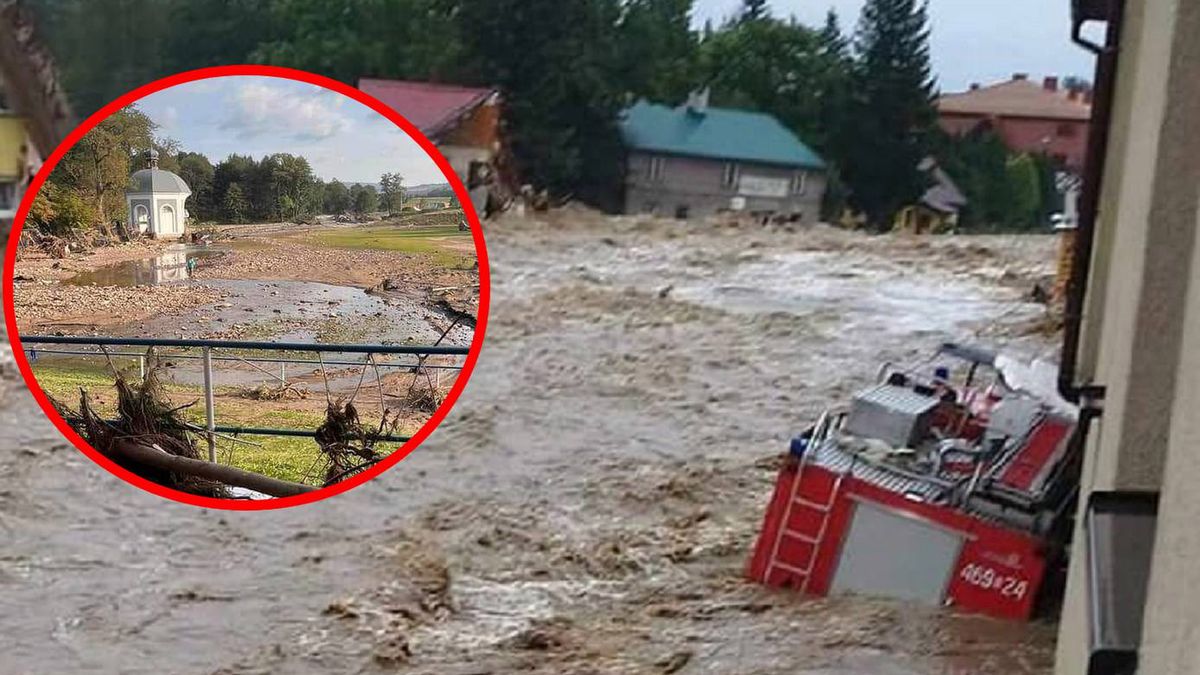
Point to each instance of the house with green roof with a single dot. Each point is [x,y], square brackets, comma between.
[695,160]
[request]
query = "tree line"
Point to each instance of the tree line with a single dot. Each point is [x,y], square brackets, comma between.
[863,98]
[87,188]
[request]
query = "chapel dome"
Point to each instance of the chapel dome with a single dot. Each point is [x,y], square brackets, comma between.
[154,179]
[158,180]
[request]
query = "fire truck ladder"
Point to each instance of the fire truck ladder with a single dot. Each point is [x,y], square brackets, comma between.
[820,434]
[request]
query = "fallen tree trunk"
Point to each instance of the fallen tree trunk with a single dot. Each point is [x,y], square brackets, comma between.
[152,455]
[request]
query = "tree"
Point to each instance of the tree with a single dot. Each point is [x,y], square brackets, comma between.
[553,61]
[391,187]
[59,211]
[365,198]
[833,89]
[235,206]
[833,40]
[294,185]
[891,115]
[336,198]
[198,173]
[771,66]
[753,10]
[98,167]
[658,58]
[41,211]
[234,169]
[1023,176]
[407,39]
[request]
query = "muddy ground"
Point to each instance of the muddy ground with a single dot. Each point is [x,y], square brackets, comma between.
[100,288]
[257,282]
[586,508]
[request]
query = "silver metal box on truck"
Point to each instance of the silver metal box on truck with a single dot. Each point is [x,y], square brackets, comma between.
[895,415]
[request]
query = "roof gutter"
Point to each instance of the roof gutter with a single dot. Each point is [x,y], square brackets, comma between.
[1107,57]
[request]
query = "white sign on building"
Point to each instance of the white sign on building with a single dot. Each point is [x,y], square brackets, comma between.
[763,186]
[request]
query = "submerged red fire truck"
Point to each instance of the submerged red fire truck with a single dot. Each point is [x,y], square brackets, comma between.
[947,484]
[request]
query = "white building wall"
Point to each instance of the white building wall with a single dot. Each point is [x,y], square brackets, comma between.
[1142,331]
[155,206]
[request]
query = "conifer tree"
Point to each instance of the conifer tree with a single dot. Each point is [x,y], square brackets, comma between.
[753,10]
[891,108]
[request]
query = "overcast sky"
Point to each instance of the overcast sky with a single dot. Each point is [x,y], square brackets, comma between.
[973,40]
[259,116]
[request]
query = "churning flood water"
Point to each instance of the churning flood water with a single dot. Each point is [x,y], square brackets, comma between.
[588,505]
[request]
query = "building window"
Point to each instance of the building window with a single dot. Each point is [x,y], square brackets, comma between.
[1067,130]
[799,183]
[729,178]
[658,168]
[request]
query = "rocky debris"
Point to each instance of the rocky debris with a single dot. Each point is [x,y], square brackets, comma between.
[292,259]
[42,305]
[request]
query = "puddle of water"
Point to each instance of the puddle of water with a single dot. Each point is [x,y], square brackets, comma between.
[171,266]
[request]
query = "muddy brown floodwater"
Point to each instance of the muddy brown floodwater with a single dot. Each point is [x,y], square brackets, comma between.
[586,508]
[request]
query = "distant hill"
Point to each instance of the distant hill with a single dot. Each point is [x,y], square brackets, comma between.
[429,190]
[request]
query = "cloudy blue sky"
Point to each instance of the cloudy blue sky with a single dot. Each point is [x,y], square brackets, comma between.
[258,116]
[972,41]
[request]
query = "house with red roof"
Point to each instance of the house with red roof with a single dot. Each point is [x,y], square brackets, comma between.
[464,122]
[1029,117]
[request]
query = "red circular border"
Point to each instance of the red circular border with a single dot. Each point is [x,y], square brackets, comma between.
[261,71]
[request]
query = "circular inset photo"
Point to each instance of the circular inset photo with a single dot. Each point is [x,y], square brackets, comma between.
[246,287]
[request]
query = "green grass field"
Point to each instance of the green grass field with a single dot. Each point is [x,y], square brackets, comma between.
[439,242]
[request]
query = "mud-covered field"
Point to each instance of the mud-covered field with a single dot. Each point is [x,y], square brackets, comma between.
[586,508]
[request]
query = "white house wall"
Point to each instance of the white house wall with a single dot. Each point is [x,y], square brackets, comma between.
[154,204]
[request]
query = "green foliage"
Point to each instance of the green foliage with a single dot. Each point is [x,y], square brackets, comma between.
[97,168]
[1005,191]
[41,211]
[769,65]
[391,187]
[565,70]
[753,10]
[278,187]
[890,114]
[365,199]
[407,39]
[658,56]
[72,212]
[293,184]
[234,206]
[197,171]
[105,48]
[553,60]
[336,198]
[1025,180]
[60,211]
[800,75]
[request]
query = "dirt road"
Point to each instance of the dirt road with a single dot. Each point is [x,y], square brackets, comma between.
[587,507]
